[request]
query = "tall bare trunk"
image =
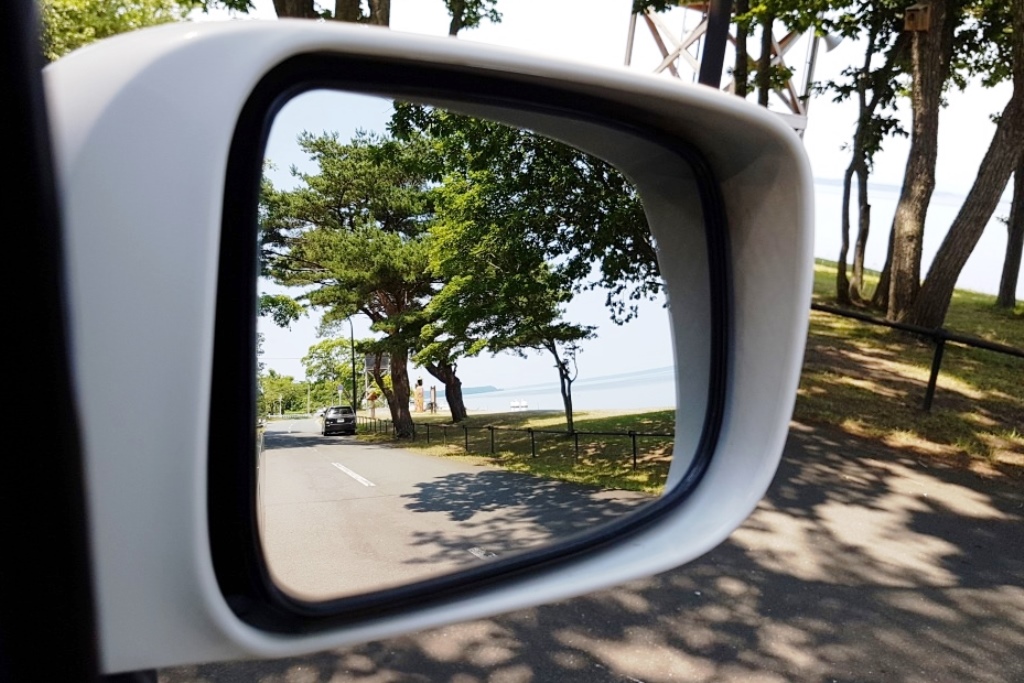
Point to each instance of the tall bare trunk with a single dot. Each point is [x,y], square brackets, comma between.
[880,298]
[1015,228]
[880,83]
[398,393]
[764,62]
[863,230]
[931,52]
[842,281]
[445,372]
[1003,155]
[933,301]
[1014,243]
[457,8]
[380,13]
[566,376]
[347,10]
[300,9]
[845,289]
[740,71]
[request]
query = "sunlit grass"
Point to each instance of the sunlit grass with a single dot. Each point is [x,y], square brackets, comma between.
[970,313]
[872,380]
[550,452]
[867,380]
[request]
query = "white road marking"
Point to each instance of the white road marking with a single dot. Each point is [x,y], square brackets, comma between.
[481,553]
[362,480]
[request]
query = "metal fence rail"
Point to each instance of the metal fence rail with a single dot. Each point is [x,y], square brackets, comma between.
[938,336]
[459,435]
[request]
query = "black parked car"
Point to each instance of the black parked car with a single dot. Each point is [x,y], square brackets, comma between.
[339,420]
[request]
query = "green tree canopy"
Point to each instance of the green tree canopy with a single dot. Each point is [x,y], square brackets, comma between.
[354,237]
[500,292]
[575,210]
[280,393]
[71,24]
[329,367]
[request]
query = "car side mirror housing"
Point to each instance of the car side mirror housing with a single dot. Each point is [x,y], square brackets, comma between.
[159,139]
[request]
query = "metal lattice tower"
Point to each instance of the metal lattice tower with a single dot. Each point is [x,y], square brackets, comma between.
[682,55]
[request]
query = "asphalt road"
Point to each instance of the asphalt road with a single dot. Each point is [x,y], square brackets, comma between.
[863,564]
[340,517]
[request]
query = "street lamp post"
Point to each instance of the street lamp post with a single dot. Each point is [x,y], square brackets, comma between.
[352,353]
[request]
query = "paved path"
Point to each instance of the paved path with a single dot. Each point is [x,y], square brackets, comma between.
[860,565]
[340,517]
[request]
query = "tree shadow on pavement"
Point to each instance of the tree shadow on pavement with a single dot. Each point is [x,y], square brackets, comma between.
[504,512]
[862,564]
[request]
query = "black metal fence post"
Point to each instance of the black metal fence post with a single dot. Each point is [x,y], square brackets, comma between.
[465,434]
[632,437]
[575,446]
[940,335]
[490,428]
[940,347]
[533,443]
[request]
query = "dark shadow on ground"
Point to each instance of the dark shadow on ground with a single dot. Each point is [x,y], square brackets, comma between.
[285,440]
[977,404]
[862,564]
[490,506]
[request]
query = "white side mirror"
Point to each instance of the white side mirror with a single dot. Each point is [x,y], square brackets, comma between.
[159,141]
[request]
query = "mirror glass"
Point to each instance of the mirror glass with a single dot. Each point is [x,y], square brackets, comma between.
[464,347]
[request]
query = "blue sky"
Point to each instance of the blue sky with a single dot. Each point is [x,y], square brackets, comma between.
[596,32]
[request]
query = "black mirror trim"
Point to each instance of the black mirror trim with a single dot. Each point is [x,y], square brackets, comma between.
[235,546]
[47,587]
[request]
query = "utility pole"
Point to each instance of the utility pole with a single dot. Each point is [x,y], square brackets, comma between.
[352,353]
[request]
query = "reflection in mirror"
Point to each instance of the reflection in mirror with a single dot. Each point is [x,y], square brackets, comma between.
[464,348]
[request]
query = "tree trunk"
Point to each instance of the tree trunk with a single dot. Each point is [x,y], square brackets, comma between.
[931,52]
[300,9]
[880,299]
[398,394]
[842,282]
[565,386]
[347,10]
[445,373]
[380,13]
[1015,228]
[880,83]
[565,380]
[764,62]
[1003,155]
[858,165]
[1014,243]
[863,230]
[740,71]
[458,12]
[453,397]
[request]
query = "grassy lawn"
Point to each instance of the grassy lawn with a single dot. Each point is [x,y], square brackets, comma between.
[602,461]
[863,379]
[871,381]
[969,312]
